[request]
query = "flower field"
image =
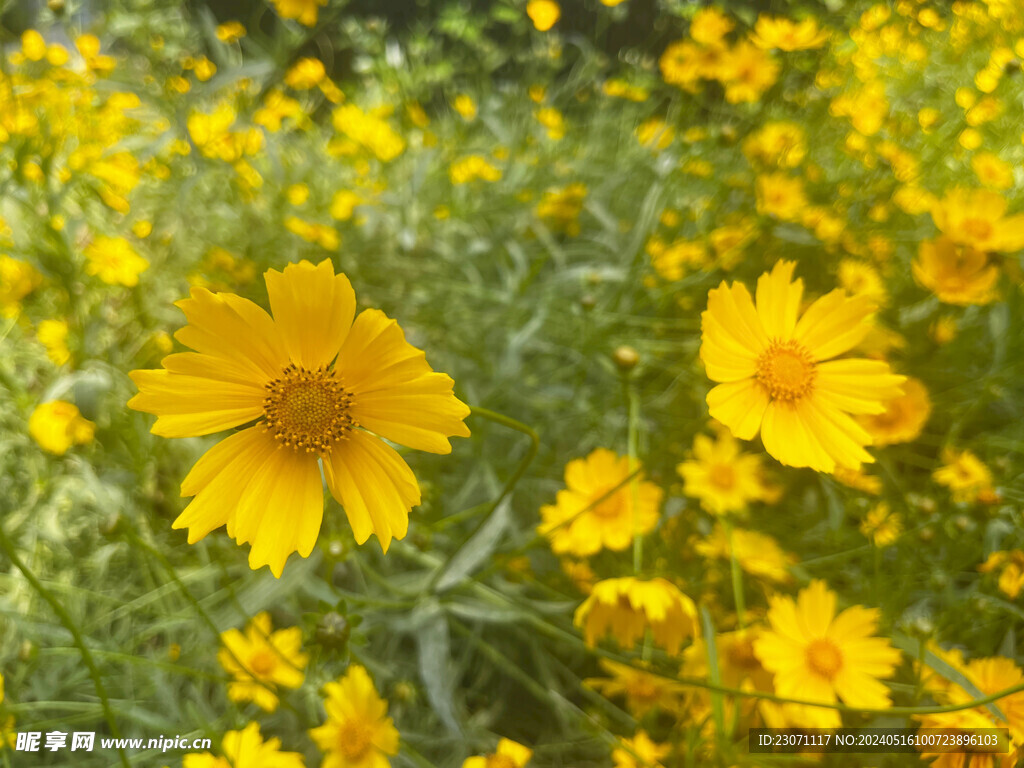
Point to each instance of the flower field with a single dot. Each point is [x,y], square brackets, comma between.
[509,383]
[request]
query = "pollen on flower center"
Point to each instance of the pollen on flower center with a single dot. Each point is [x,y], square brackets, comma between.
[354,740]
[500,761]
[308,410]
[262,663]
[824,658]
[786,370]
[722,476]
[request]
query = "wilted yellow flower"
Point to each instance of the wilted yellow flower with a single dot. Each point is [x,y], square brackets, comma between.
[53,335]
[964,474]
[114,261]
[957,274]
[230,31]
[261,661]
[881,525]
[787,35]
[903,418]
[1010,565]
[304,74]
[628,607]
[472,167]
[721,476]
[758,554]
[543,13]
[57,425]
[509,754]
[358,733]
[305,11]
[245,748]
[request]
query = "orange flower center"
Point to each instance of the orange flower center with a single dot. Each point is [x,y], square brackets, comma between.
[354,740]
[308,410]
[786,370]
[500,761]
[823,658]
[722,476]
[643,689]
[979,229]
[262,663]
[741,654]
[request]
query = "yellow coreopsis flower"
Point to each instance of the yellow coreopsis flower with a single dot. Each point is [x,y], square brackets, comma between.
[756,553]
[903,418]
[722,477]
[358,733]
[17,280]
[787,35]
[592,514]
[817,655]
[543,13]
[628,607]
[640,752]
[323,388]
[780,144]
[245,748]
[964,474]
[57,425]
[992,171]
[976,218]
[53,335]
[230,31]
[957,274]
[860,278]
[881,525]
[261,661]
[509,754]
[747,72]
[114,261]
[642,690]
[305,11]
[1010,565]
[306,73]
[710,26]
[472,167]
[560,208]
[777,373]
[465,106]
[781,196]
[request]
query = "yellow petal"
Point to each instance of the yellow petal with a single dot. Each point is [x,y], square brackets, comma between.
[856,385]
[834,324]
[188,406]
[787,437]
[374,485]
[313,308]
[740,405]
[778,300]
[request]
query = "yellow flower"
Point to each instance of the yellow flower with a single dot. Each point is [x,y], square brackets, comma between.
[369,131]
[903,418]
[747,72]
[943,330]
[264,482]
[591,514]
[297,194]
[306,73]
[957,274]
[817,655]
[543,13]
[787,35]
[655,134]
[881,525]
[730,240]
[57,425]
[709,26]
[472,167]
[306,11]
[975,218]
[230,31]
[722,477]
[358,733]
[465,106]
[509,754]
[261,661]
[1011,571]
[861,279]
[33,46]
[560,208]
[642,690]
[640,752]
[672,261]
[114,261]
[627,607]
[781,196]
[777,374]
[680,65]
[553,122]
[858,480]
[964,474]
[53,335]
[245,748]
[780,144]
[343,204]
[17,280]
[992,171]
[757,554]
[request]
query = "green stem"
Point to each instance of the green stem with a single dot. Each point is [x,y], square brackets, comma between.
[739,600]
[69,624]
[632,438]
[506,421]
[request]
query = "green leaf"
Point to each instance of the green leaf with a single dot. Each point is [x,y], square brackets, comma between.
[474,552]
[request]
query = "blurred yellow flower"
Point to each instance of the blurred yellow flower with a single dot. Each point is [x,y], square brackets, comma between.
[642,690]
[543,13]
[472,167]
[245,748]
[1010,565]
[758,554]
[816,655]
[297,194]
[673,261]
[747,72]
[710,26]
[957,274]
[53,335]
[465,106]
[858,480]
[591,514]
[560,208]
[859,278]
[881,525]
[358,733]
[33,46]
[903,418]
[114,261]
[722,477]
[264,482]
[261,661]
[787,35]
[305,11]
[343,204]
[17,280]
[992,172]
[779,144]
[304,74]
[230,31]
[57,425]
[777,376]
[964,474]
[655,134]
[781,196]
[552,121]
[509,754]
[639,752]
[628,607]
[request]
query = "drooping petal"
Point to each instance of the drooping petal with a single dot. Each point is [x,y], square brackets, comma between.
[778,300]
[397,395]
[313,308]
[740,405]
[219,479]
[189,406]
[834,324]
[228,326]
[374,485]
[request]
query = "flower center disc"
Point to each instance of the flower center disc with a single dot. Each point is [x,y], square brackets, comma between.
[979,229]
[824,658]
[262,663]
[500,761]
[722,476]
[786,370]
[354,740]
[308,410]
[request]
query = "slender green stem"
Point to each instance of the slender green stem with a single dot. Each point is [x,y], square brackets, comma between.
[76,636]
[632,438]
[737,577]
[506,421]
